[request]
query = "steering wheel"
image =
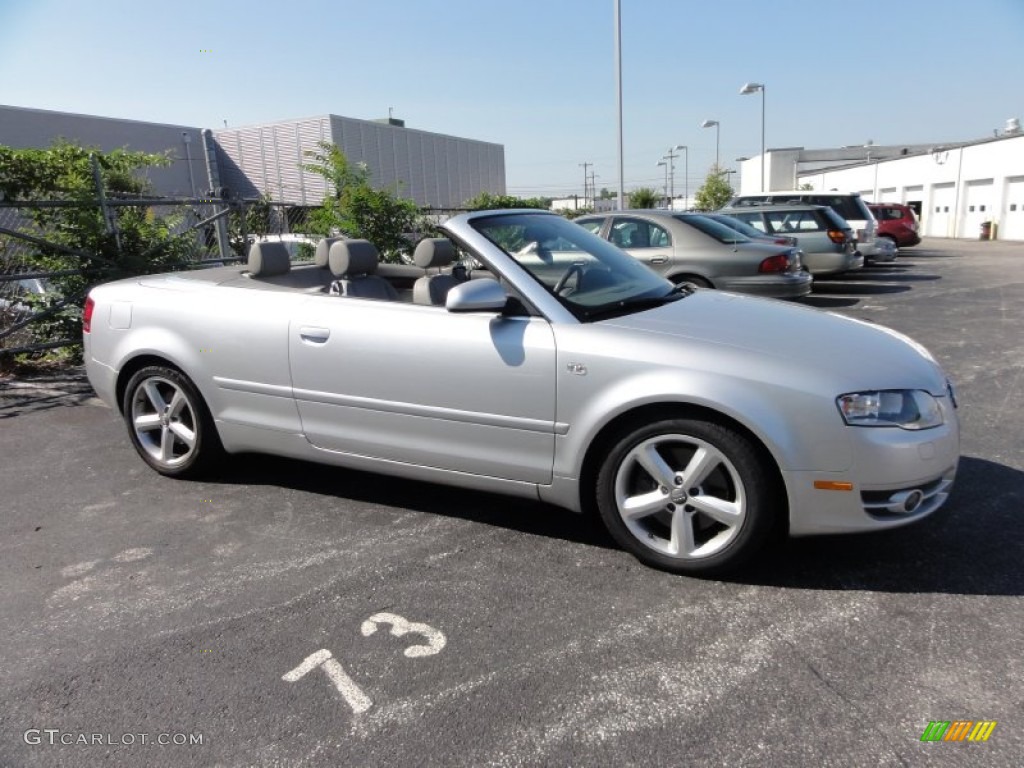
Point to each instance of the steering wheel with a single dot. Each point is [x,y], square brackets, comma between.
[574,269]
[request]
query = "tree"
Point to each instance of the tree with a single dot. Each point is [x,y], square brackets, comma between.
[806,186]
[714,192]
[485,201]
[356,209]
[644,197]
[605,194]
[135,242]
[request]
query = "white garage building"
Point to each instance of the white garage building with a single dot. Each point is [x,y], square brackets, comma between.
[955,187]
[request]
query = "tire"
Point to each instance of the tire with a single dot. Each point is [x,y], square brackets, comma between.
[700,282]
[169,424]
[687,496]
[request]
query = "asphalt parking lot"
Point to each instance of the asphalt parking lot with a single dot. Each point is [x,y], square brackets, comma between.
[294,614]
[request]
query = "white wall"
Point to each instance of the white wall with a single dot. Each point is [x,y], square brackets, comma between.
[959,179]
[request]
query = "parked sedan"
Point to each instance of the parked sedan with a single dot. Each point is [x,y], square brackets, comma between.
[696,423]
[689,247]
[827,241]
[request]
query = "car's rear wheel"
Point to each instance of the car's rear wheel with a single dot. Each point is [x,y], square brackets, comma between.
[687,495]
[168,422]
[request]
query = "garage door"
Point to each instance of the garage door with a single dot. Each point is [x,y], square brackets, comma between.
[1013,210]
[940,215]
[978,199]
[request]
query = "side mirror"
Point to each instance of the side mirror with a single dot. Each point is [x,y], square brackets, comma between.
[483,295]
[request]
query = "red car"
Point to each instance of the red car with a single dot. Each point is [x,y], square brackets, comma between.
[897,222]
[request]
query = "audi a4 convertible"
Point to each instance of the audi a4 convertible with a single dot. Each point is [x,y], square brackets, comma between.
[525,355]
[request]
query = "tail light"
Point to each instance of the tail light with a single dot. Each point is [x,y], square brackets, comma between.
[784,241]
[837,236]
[779,263]
[87,315]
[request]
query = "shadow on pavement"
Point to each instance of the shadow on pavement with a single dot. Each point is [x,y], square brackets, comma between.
[972,546]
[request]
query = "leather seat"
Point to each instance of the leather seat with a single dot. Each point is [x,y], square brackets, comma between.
[353,263]
[434,253]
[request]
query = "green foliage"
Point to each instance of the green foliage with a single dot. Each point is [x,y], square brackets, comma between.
[806,186]
[485,201]
[575,213]
[644,197]
[64,173]
[356,209]
[605,194]
[714,192]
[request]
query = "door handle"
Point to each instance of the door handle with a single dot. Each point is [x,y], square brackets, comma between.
[314,334]
[659,259]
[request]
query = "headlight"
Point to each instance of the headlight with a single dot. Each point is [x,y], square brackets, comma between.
[903,408]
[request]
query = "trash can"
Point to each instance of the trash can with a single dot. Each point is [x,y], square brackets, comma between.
[986,230]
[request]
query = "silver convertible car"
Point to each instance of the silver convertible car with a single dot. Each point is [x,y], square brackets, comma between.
[694,422]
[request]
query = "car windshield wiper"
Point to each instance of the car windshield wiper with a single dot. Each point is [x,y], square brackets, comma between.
[638,303]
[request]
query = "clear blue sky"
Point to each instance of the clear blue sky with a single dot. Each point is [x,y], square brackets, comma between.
[537,75]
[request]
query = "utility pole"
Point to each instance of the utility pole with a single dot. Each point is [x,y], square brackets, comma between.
[585,180]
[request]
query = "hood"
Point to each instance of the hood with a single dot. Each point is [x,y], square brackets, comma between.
[859,354]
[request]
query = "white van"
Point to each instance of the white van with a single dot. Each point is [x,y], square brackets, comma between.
[849,205]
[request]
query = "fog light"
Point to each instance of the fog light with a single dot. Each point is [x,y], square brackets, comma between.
[905,502]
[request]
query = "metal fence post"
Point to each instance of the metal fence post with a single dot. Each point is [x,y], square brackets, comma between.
[108,216]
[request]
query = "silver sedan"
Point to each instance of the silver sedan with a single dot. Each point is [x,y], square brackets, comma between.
[694,248]
[695,423]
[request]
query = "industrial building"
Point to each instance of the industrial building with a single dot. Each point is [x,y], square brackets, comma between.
[955,187]
[433,169]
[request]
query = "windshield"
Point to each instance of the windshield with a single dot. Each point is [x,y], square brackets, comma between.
[712,228]
[589,276]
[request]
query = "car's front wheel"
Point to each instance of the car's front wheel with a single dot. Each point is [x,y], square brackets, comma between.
[168,422]
[687,495]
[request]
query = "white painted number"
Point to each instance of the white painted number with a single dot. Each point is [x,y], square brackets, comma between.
[399,626]
[345,685]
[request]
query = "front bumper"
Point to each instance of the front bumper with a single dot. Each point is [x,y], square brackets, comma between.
[897,477]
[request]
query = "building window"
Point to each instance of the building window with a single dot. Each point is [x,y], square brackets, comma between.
[1013,206]
[946,209]
[981,207]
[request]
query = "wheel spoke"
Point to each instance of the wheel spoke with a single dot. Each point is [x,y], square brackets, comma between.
[153,395]
[649,458]
[147,421]
[166,445]
[702,463]
[728,513]
[634,507]
[682,542]
[183,433]
[178,402]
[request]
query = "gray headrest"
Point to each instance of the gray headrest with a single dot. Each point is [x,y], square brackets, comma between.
[268,258]
[323,249]
[434,252]
[353,257]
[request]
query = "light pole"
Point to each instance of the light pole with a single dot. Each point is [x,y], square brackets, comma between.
[666,164]
[618,88]
[713,124]
[746,90]
[686,172]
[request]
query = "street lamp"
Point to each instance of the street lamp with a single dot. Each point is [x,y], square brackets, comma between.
[671,158]
[666,164]
[746,90]
[713,124]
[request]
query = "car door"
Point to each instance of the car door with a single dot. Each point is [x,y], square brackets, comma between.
[464,392]
[644,240]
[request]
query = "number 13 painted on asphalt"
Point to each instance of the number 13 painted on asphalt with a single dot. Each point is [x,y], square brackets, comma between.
[346,686]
